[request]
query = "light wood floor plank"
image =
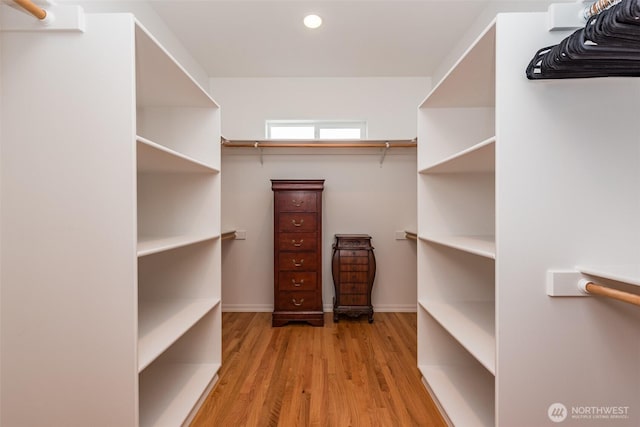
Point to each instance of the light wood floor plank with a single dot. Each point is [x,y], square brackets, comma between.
[347,374]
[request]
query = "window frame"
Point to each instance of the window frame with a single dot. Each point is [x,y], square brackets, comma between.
[317,126]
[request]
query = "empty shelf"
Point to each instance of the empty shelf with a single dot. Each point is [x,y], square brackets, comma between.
[476,159]
[169,391]
[466,393]
[151,245]
[484,246]
[153,157]
[472,324]
[162,322]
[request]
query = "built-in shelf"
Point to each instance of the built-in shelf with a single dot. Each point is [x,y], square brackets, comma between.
[162,322]
[154,157]
[471,80]
[471,323]
[477,159]
[162,81]
[464,392]
[152,245]
[626,273]
[484,246]
[168,391]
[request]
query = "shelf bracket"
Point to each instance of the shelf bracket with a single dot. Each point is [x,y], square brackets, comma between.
[567,16]
[257,145]
[384,152]
[564,283]
[58,17]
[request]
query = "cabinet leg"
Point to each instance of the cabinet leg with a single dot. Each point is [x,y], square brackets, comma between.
[370,317]
[335,318]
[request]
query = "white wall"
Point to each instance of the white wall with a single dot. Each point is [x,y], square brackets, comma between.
[360,196]
[387,104]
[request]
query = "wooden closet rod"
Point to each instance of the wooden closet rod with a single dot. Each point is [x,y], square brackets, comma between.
[595,289]
[400,143]
[228,235]
[30,7]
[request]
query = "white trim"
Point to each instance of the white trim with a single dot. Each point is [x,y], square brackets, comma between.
[328,308]
[247,308]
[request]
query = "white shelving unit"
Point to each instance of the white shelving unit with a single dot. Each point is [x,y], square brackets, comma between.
[121,198]
[511,183]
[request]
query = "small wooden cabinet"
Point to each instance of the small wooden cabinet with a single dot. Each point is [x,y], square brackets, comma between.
[354,270]
[297,251]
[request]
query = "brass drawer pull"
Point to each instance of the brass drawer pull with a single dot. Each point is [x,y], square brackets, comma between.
[296,303]
[298,264]
[297,224]
[297,244]
[297,203]
[297,285]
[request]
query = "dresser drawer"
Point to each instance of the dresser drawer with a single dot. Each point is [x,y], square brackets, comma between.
[296,201]
[354,288]
[353,276]
[297,222]
[353,299]
[354,267]
[348,259]
[353,253]
[297,300]
[298,261]
[297,241]
[297,281]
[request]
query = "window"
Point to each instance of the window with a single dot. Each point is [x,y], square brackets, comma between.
[315,129]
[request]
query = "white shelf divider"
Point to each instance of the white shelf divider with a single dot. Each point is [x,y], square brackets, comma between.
[625,273]
[168,393]
[163,322]
[464,392]
[472,324]
[153,157]
[152,245]
[484,246]
[476,159]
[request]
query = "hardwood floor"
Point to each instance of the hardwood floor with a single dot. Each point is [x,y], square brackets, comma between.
[347,374]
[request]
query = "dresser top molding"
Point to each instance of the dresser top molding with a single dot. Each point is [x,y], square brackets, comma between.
[297,184]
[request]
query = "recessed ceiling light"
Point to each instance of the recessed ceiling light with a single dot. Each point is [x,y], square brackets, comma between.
[312,21]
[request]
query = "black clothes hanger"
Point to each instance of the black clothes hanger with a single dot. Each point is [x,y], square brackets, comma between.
[608,45]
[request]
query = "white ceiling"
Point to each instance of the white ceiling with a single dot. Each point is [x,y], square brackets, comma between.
[358,38]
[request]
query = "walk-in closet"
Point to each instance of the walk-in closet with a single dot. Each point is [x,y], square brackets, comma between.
[319,213]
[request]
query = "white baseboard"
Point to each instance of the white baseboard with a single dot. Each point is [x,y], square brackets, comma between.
[247,308]
[395,308]
[328,308]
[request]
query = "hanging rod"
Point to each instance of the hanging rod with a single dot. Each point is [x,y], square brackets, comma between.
[229,235]
[319,143]
[598,7]
[33,9]
[589,287]
[410,235]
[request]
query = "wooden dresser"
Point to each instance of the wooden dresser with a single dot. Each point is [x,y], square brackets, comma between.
[354,269]
[297,249]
